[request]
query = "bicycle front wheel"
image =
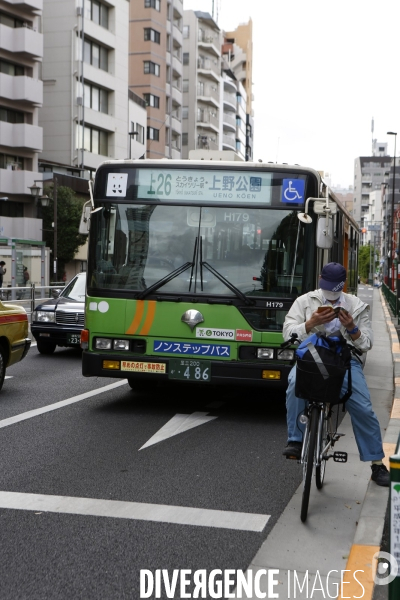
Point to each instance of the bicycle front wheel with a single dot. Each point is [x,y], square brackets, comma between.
[308,464]
[324,433]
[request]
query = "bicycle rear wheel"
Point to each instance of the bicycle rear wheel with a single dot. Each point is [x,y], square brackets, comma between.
[308,465]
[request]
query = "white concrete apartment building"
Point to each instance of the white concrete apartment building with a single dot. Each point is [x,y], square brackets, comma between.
[21,96]
[21,139]
[214,96]
[83,125]
[369,174]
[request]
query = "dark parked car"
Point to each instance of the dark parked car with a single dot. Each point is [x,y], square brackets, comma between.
[59,321]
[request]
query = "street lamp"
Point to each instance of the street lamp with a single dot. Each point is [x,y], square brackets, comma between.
[131,135]
[45,202]
[391,273]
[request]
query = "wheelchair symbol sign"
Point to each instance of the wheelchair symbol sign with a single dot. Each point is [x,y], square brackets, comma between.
[293,191]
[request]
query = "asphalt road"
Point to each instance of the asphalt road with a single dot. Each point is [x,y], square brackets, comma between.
[91,449]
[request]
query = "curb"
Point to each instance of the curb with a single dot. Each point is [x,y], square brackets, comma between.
[368,538]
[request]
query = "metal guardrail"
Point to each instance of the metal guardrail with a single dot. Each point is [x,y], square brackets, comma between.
[392,299]
[30,296]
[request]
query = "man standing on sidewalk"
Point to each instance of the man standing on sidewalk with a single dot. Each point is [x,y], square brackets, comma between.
[304,319]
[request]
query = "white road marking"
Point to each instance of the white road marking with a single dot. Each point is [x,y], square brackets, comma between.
[160,513]
[40,411]
[8,376]
[178,424]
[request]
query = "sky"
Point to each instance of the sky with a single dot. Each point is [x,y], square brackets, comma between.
[322,69]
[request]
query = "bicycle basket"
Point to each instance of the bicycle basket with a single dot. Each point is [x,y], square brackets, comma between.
[321,383]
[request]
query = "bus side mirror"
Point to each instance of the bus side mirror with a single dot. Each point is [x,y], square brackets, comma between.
[324,233]
[84,224]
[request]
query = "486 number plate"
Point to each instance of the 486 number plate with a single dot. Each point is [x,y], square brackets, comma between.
[190,370]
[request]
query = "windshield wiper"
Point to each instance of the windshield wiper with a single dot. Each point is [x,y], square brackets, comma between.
[164,280]
[228,284]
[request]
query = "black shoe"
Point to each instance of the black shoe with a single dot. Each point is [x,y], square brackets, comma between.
[293,450]
[380,475]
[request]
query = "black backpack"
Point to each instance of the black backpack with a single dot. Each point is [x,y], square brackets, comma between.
[322,363]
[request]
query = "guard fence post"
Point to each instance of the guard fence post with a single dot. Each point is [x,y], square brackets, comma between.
[394,528]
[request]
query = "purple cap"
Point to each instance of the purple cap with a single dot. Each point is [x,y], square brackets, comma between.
[333,277]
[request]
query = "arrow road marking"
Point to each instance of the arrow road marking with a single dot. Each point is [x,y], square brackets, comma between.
[178,424]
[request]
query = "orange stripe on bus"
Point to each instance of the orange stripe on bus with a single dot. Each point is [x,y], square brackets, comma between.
[137,318]
[151,311]
[13,318]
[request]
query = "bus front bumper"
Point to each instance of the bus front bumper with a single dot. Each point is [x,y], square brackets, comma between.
[221,372]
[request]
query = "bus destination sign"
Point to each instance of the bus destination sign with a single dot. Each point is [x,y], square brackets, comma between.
[206,186]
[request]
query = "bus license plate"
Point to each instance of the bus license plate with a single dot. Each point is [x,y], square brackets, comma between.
[74,338]
[190,370]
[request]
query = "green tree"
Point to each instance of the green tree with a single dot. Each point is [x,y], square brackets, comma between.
[365,255]
[69,210]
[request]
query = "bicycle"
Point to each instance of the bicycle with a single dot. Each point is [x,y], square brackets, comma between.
[319,437]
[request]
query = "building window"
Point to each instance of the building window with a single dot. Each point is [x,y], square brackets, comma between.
[185,85]
[185,58]
[10,21]
[95,140]
[185,112]
[186,31]
[11,69]
[12,163]
[140,136]
[11,116]
[97,12]
[96,98]
[153,134]
[151,35]
[152,100]
[152,4]
[151,67]
[185,139]
[95,55]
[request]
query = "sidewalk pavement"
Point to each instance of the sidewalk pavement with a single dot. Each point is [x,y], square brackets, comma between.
[346,518]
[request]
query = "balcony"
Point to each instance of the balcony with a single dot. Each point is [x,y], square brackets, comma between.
[17,182]
[22,40]
[176,125]
[229,142]
[21,89]
[177,65]
[28,5]
[208,93]
[230,101]
[205,142]
[176,94]
[208,68]
[21,136]
[210,43]
[206,119]
[229,121]
[229,85]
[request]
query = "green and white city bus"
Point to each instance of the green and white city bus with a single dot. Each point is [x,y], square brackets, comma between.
[192,266]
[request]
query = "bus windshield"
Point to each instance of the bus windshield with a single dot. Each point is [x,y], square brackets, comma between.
[257,251]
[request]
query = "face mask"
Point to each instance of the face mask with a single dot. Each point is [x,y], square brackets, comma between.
[331,296]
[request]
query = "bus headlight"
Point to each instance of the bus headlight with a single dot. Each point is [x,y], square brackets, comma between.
[103,343]
[265,353]
[286,354]
[121,344]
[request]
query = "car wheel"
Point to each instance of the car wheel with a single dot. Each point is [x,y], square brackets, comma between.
[2,367]
[46,347]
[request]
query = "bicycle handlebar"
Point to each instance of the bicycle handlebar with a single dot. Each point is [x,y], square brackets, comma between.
[294,338]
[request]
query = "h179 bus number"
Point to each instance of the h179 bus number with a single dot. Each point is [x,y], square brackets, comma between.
[189,370]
